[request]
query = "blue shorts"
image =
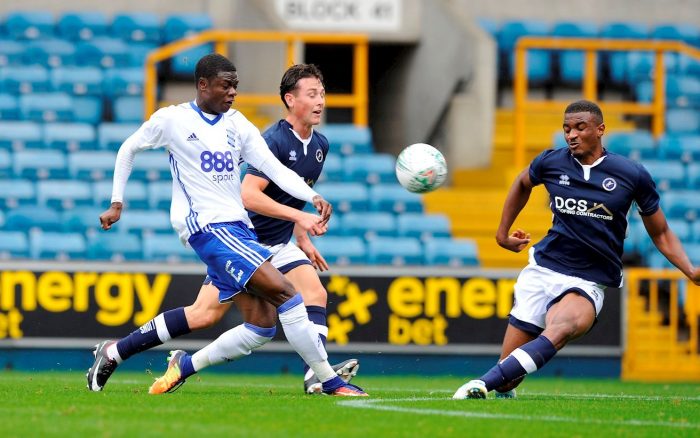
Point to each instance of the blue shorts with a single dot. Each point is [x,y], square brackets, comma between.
[232,255]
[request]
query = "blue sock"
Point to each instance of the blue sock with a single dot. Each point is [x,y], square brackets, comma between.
[524,360]
[160,329]
[317,315]
[333,384]
[186,367]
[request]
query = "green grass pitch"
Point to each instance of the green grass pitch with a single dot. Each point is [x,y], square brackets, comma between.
[227,404]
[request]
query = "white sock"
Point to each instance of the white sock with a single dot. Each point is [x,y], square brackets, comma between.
[303,337]
[231,345]
[113,353]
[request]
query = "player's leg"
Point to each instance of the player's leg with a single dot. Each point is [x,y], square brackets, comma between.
[514,338]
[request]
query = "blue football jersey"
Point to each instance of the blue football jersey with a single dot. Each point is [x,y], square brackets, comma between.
[306,163]
[590,206]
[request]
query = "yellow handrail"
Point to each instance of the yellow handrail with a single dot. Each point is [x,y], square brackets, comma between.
[357,100]
[591,47]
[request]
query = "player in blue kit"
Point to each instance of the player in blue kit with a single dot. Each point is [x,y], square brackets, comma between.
[206,140]
[560,293]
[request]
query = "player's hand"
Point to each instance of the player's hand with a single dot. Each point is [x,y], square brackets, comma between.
[311,223]
[312,253]
[324,208]
[516,242]
[111,215]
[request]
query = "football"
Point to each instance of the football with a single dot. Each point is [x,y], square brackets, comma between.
[420,168]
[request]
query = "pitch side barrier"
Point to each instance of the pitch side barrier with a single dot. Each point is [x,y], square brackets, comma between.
[374,309]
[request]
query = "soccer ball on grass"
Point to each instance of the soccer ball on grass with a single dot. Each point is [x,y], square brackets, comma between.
[420,168]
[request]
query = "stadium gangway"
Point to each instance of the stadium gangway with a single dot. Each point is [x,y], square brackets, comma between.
[357,100]
[591,46]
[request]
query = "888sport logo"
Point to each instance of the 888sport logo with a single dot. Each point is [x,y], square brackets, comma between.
[220,162]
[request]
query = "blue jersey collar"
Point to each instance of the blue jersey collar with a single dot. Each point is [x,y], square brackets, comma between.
[201,114]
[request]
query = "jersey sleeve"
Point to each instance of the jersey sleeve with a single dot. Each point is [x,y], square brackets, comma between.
[645,194]
[274,148]
[536,167]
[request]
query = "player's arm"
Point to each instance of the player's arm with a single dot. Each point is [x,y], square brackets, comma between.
[517,198]
[255,199]
[305,244]
[668,244]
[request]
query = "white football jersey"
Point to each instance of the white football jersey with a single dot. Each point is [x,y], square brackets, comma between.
[204,156]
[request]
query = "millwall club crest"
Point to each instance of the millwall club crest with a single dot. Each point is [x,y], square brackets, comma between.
[292,155]
[319,155]
[609,184]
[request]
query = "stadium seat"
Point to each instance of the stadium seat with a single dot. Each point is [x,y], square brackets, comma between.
[681,204]
[682,147]
[688,65]
[57,245]
[82,219]
[78,80]
[9,107]
[13,244]
[88,109]
[656,260]
[103,52]
[634,144]
[615,63]
[114,246]
[70,136]
[136,194]
[394,198]
[137,26]
[178,26]
[694,176]
[5,164]
[15,192]
[397,251]
[345,197]
[112,135]
[451,252]
[28,217]
[40,164]
[683,91]
[368,224]
[138,53]
[160,194]
[91,165]
[46,107]
[571,62]
[666,174]
[688,33]
[539,62]
[695,231]
[370,168]
[348,139]
[82,26]
[423,226]
[182,64]
[142,222]
[124,82]
[342,251]
[20,135]
[558,140]
[682,121]
[332,169]
[11,53]
[63,194]
[167,248]
[128,109]
[50,53]
[27,25]
[151,166]
[24,79]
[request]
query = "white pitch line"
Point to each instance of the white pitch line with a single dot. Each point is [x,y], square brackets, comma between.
[375,405]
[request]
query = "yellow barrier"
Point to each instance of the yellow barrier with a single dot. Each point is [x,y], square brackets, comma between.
[591,47]
[661,337]
[357,100]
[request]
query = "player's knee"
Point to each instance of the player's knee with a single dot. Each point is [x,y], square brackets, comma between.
[315,296]
[201,318]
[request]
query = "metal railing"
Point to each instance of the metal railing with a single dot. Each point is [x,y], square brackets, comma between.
[357,99]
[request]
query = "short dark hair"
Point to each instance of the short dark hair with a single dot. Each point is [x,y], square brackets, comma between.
[294,74]
[585,106]
[209,66]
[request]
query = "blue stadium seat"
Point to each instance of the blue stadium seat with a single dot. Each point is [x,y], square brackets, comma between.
[558,140]
[370,168]
[394,198]
[40,164]
[20,135]
[28,217]
[342,251]
[136,194]
[15,192]
[128,109]
[63,194]
[160,194]
[138,53]
[345,197]
[348,139]
[634,144]
[91,165]
[70,136]
[50,53]
[124,82]
[683,147]
[9,107]
[571,62]
[142,222]
[29,25]
[681,204]
[88,109]
[178,26]
[688,65]
[13,244]
[80,26]
[368,224]
[332,169]
[5,164]
[182,64]
[137,26]
[423,226]
[11,53]
[167,248]
[688,33]
[151,166]
[643,243]
[114,246]
[695,231]
[683,91]
[666,174]
[103,52]
[112,135]
[78,80]
[24,79]
[82,219]
[539,62]
[616,62]
[397,251]
[656,260]
[694,176]
[57,245]
[451,252]
[682,121]
[47,107]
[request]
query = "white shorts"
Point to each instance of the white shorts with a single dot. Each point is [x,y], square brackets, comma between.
[286,256]
[539,288]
